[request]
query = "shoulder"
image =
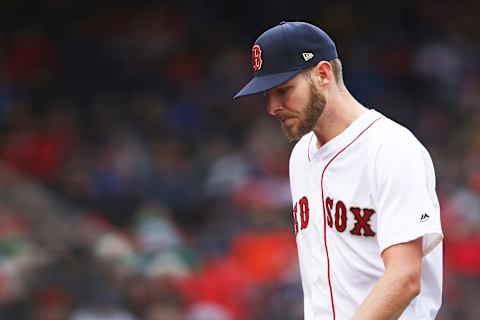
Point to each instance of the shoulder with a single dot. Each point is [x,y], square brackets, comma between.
[395,145]
[389,134]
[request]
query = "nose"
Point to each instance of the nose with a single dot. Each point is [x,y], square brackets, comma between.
[273,105]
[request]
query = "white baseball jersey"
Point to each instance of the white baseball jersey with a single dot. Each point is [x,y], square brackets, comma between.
[370,187]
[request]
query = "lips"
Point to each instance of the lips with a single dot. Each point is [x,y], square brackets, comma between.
[286,121]
[285,118]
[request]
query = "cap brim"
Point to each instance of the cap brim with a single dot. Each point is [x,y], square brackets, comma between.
[263,83]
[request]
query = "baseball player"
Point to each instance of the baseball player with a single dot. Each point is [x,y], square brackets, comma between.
[365,212]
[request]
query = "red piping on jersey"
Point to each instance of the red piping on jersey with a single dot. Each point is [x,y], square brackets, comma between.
[325,218]
[308,149]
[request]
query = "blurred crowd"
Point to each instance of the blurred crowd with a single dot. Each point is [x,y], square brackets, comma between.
[132,186]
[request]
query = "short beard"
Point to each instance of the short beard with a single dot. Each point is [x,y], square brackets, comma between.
[310,115]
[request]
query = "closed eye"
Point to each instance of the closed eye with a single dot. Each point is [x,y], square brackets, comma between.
[283,90]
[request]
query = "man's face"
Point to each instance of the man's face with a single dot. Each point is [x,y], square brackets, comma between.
[297,104]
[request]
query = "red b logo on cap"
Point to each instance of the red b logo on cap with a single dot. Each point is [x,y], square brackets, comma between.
[257,57]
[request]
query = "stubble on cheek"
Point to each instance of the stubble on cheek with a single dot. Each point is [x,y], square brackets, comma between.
[307,120]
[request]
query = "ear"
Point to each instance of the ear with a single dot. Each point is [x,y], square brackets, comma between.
[324,73]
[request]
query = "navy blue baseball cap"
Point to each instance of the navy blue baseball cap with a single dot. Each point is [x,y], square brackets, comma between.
[283,51]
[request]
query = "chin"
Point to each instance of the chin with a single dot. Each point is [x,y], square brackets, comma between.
[292,133]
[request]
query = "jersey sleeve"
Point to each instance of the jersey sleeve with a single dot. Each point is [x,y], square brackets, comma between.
[404,192]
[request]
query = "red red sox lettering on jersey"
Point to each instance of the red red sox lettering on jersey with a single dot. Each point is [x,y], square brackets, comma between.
[370,187]
[337,213]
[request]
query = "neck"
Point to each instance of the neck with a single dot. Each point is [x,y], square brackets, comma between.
[341,110]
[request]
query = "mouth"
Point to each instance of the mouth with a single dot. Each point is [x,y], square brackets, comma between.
[286,121]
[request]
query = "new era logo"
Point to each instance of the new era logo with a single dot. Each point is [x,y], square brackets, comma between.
[424,217]
[307,55]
